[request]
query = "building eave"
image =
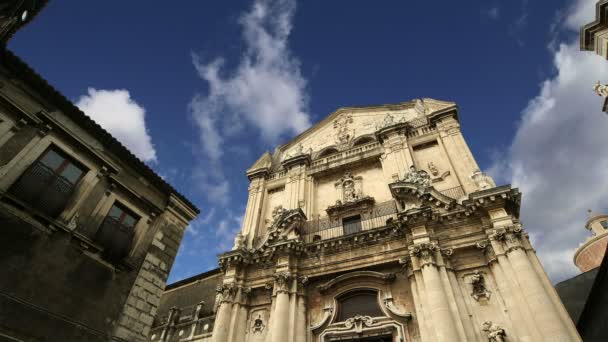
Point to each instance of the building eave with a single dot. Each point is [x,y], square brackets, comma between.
[30,77]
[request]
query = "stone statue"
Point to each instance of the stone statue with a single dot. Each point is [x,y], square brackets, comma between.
[479,286]
[601,89]
[349,189]
[388,120]
[482,180]
[277,212]
[433,169]
[417,177]
[344,134]
[494,331]
[239,241]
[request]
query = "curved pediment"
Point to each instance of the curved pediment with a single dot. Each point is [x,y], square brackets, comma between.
[417,195]
[369,276]
[286,225]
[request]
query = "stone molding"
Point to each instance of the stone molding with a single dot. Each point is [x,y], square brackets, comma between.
[384,278]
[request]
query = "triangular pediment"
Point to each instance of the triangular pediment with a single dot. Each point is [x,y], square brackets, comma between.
[350,125]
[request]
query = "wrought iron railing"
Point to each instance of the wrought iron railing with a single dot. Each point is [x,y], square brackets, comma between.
[345,154]
[115,238]
[326,228]
[43,190]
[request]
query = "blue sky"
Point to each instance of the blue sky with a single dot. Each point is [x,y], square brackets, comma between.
[199,89]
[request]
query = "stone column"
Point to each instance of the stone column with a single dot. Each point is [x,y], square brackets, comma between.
[417,295]
[509,294]
[280,320]
[545,315]
[300,329]
[455,295]
[238,320]
[221,329]
[437,301]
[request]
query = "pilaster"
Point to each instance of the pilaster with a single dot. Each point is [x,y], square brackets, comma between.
[458,151]
[506,238]
[397,157]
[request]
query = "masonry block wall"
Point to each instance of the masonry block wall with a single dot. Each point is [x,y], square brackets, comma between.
[143,301]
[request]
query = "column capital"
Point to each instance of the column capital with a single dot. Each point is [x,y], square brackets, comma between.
[282,281]
[509,237]
[425,253]
[486,248]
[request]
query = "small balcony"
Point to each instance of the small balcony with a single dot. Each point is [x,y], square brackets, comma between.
[328,228]
[43,190]
[115,238]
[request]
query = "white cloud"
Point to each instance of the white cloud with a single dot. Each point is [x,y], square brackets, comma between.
[119,114]
[581,13]
[266,90]
[558,157]
[492,13]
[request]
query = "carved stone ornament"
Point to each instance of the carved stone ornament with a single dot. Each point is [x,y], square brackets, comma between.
[433,169]
[426,253]
[494,332]
[478,285]
[482,181]
[282,281]
[344,134]
[420,107]
[73,224]
[277,212]
[239,241]
[358,322]
[227,292]
[417,177]
[350,188]
[601,89]
[258,325]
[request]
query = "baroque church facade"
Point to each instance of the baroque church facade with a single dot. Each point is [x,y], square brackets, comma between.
[375,224]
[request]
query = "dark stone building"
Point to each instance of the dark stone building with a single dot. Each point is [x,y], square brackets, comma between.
[88,232]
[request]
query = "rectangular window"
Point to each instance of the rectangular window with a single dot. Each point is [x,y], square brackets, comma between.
[352,224]
[49,182]
[116,232]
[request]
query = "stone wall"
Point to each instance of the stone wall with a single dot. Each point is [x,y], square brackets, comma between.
[142,303]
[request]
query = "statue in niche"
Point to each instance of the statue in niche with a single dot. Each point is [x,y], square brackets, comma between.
[417,177]
[349,186]
[479,286]
[258,324]
[494,331]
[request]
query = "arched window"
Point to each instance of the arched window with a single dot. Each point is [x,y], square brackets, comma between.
[327,152]
[362,302]
[363,140]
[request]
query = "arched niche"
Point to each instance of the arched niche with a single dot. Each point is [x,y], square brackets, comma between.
[363,140]
[327,151]
[373,289]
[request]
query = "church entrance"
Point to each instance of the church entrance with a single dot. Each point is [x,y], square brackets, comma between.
[386,338]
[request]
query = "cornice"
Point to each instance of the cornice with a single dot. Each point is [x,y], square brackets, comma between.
[587,35]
